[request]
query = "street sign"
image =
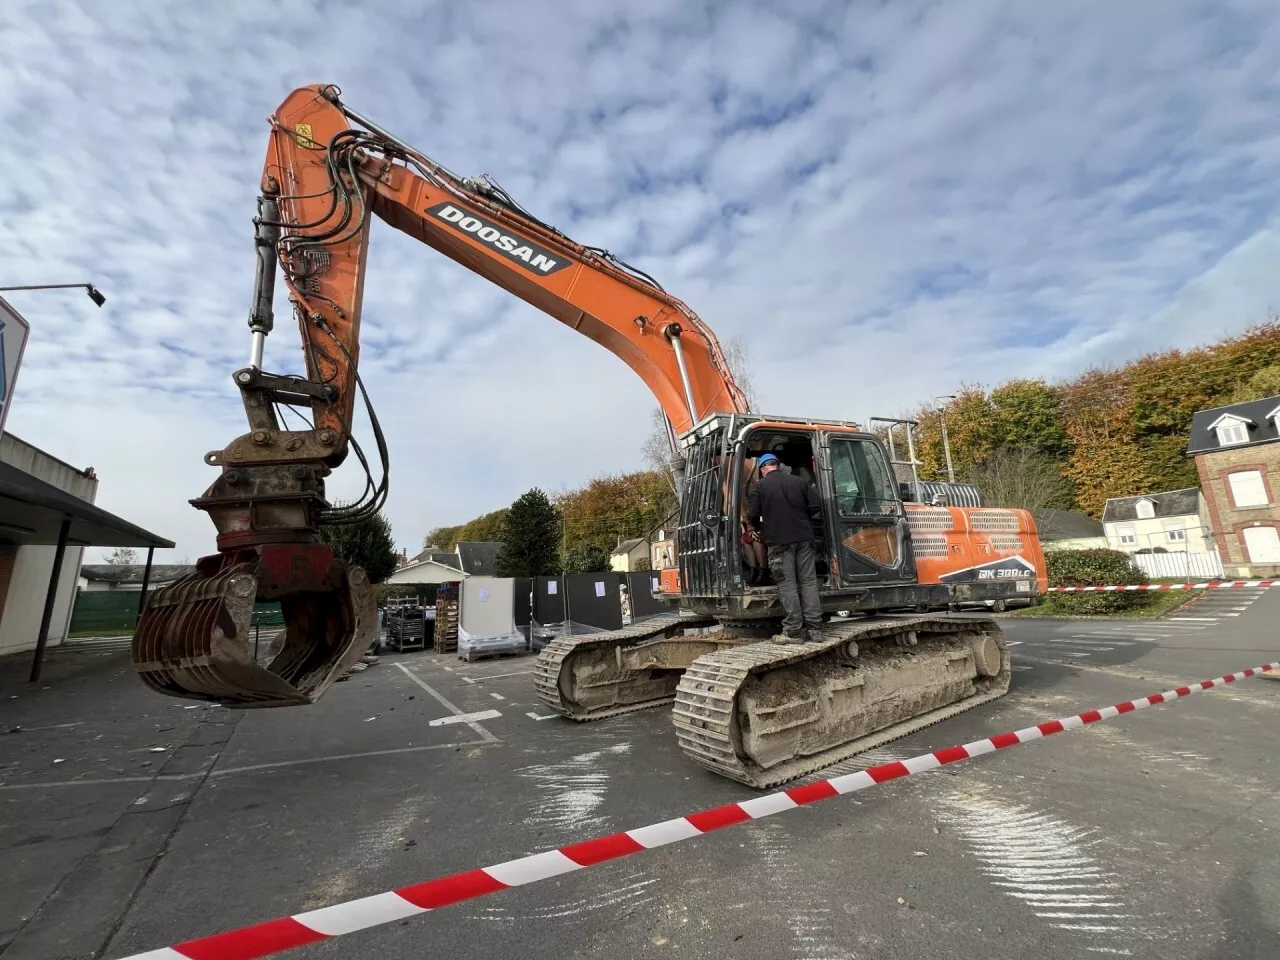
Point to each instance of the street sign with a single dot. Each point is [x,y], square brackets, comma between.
[13,340]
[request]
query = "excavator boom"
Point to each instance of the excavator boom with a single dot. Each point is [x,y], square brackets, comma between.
[323,183]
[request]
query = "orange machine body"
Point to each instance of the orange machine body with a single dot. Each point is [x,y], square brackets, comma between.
[975,544]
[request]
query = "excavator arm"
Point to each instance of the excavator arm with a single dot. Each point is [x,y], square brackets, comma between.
[322,181]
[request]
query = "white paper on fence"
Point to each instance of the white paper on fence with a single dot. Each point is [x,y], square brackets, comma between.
[552,588]
[487,607]
[599,588]
[654,581]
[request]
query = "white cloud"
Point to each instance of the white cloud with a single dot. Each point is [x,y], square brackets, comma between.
[884,200]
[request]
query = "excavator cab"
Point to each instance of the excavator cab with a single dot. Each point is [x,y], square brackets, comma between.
[862,538]
[875,550]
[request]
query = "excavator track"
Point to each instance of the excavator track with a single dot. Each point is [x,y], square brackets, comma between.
[571,670]
[765,713]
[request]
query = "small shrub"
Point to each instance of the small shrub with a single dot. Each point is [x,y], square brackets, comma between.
[1090,568]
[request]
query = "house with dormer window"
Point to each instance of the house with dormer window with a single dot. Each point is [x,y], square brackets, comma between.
[1172,521]
[1237,454]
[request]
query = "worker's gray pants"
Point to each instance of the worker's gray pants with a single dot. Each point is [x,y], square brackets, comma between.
[791,565]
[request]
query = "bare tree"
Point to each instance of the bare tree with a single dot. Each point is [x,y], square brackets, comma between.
[123,556]
[656,449]
[738,357]
[1020,477]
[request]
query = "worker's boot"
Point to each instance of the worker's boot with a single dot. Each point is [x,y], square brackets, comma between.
[814,635]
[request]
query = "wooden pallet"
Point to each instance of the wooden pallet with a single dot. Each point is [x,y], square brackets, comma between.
[446,635]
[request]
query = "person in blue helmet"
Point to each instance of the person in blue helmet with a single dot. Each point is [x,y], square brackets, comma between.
[784,507]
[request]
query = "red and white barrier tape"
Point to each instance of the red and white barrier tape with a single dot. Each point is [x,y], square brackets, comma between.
[274,936]
[1210,585]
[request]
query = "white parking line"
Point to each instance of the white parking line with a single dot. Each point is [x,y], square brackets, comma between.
[533,716]
[472,723]
[497,696]
[496,676]
[1199,619]
[1012,643]
[471,719]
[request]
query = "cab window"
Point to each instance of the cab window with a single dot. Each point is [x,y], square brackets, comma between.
[861,478]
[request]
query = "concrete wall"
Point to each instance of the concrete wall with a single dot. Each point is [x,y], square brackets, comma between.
[32,565]
[1228,521]
[20,623]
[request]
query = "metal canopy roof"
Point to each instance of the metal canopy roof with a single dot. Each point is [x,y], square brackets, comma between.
[32,511]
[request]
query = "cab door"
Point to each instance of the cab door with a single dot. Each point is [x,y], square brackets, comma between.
[869,520]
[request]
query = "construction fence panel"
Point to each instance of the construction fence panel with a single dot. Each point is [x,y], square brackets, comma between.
[523,601]
[641,585]
[1171,566]
[111,610]
[104,610]
[548,600]
[593,600]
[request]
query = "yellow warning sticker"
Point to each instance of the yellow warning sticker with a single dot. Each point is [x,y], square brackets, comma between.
[303,131]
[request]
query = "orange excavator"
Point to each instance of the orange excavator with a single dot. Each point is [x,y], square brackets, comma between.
[745,706]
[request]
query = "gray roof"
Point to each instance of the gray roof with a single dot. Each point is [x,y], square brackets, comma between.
[1065,525]
[1261,430]
[479,558]
[1171,503]
[626,546]
[439,556]
[132,572]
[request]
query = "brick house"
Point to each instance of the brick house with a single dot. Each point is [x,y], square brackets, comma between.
[1237,453]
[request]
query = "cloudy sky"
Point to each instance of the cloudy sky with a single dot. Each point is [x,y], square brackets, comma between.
[883,200]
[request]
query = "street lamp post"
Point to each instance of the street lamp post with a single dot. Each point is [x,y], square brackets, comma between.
[94,293]
[946,443]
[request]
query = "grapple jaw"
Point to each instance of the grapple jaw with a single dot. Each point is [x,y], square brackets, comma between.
[195,639]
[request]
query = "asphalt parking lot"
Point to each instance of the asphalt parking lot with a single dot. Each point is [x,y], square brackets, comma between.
[1152,835]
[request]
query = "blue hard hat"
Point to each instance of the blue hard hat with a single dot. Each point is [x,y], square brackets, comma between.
[767,458]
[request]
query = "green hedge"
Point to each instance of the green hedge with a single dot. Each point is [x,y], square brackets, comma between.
[1090,568]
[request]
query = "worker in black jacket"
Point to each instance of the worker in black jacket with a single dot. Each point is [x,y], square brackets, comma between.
[785,507]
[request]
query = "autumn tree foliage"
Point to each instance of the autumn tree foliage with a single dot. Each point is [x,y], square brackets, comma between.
[1109,432]
[485,528]
[618,506]
[589,521]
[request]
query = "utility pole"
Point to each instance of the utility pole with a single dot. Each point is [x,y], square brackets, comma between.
[946,443]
